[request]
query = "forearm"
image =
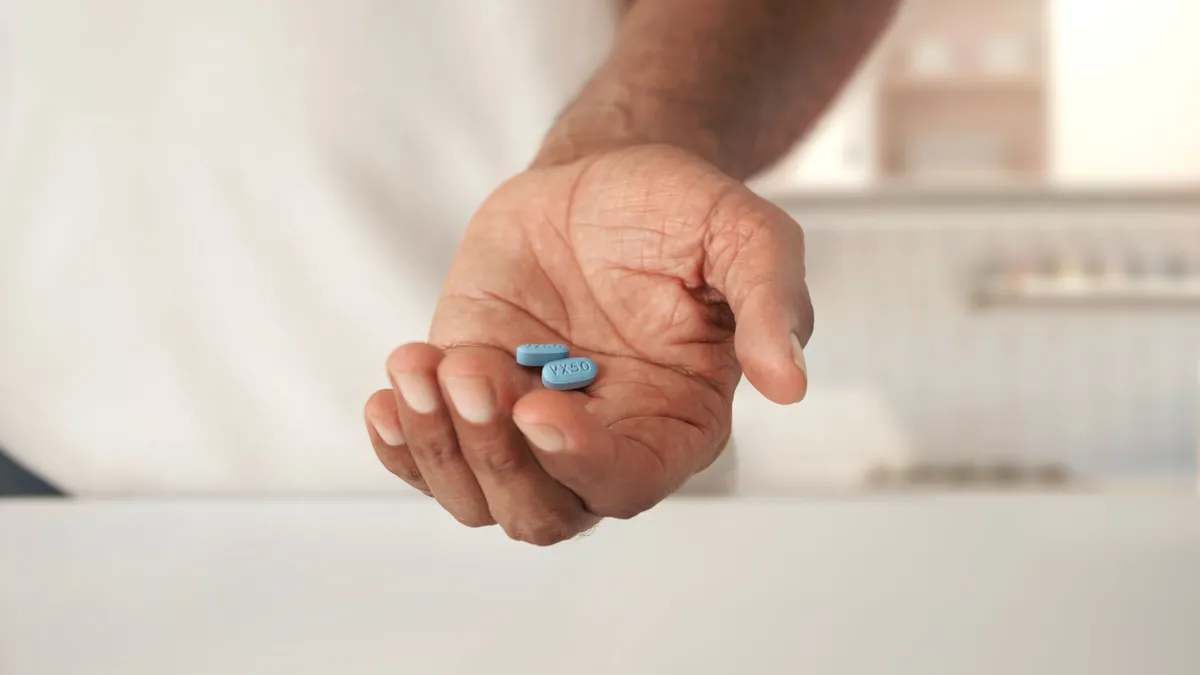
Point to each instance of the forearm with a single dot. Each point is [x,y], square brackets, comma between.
[734,81]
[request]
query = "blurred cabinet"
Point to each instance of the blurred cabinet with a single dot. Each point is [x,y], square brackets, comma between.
[963,93]
[1078,93]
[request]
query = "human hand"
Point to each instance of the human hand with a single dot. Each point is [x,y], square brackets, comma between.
[640,258]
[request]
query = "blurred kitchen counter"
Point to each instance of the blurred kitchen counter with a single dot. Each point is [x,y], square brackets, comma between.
[931,585]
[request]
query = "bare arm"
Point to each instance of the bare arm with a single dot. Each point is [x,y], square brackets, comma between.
[737,82]
[698,281]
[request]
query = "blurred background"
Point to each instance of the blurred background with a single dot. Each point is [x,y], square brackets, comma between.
[1021,182]
[1002,213]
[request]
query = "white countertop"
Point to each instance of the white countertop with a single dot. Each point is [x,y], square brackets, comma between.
[930,585]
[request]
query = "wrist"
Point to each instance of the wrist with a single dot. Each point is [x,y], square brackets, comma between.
[608,117]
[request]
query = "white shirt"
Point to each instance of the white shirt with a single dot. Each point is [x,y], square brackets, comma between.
[217,217]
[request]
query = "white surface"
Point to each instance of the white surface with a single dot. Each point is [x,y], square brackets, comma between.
[986,586]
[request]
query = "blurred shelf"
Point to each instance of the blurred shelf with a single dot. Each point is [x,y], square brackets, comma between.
[961,68]
[967,84]
[1007,194]
[1085,292]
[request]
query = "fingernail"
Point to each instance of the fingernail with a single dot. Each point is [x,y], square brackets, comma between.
[798,355]
[388,432]
[418,392]
[472,398]
[543,437]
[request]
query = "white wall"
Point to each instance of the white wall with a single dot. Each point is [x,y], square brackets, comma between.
[838,152]
[1126,91]
[1110,391]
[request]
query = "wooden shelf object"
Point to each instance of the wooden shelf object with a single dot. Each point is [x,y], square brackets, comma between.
[963,92]
[963,84]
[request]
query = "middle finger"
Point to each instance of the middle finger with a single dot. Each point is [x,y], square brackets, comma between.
[482,384]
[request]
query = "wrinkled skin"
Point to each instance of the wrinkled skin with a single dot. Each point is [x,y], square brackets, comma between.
[641,259]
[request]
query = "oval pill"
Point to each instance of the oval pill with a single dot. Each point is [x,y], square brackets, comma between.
[540,355]
[569,374]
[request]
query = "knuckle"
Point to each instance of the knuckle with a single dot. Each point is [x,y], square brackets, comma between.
[393,460]
[420,486]
[628,510]
[474,518]
[497,458]
[410,475]
[436,451]
[405,471]
[545,527]
[543,534]
[622,513]
[706,461]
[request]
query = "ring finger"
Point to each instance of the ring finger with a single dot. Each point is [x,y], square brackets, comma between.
[482,384]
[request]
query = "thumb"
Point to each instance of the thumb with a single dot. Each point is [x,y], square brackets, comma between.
[756,260]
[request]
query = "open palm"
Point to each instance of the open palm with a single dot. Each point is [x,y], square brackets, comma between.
[671,276]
